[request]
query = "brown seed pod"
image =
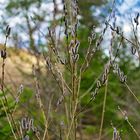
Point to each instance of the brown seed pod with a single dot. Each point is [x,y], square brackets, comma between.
[26,137]
[75,58]
[133,50]
[49,65]
[104,78]
[23,123]
[136,20]
[3,54]
[117,30]
[8,30]
[98,84]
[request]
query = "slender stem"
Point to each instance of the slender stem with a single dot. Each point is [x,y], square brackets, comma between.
[103,111]
[133,129]
[41,104]
[72,122]
[8,118]
[74,98]
[132,93]
[126,118]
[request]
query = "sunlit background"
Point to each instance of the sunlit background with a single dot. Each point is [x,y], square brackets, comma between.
[125,11]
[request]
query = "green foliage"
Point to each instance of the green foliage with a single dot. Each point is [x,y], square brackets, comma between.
[90,129]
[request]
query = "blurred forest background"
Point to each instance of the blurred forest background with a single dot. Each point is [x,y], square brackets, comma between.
[33,91]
